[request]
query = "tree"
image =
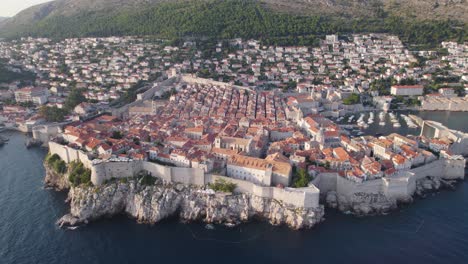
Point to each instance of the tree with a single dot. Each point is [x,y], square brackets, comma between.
[116,134]
[302,178]
[228,19]
[221,185]
[352,99]
[78,174]
[52,114]
[56,163]
[75,98]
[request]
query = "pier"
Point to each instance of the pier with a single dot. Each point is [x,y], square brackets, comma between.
[419,121]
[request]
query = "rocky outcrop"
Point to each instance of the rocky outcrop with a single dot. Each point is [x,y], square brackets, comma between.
[151,204]
[55,180]
[361,203]
[431,184]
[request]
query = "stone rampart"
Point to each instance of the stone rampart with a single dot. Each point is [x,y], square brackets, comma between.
[191,79]
[192,176]
[399,187]
[302,197]
[104,171]
[348,188]
[157,170]
[326,182]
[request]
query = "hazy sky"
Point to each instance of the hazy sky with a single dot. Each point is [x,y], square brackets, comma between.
[10,8]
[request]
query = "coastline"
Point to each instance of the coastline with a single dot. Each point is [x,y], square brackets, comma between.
[152,203]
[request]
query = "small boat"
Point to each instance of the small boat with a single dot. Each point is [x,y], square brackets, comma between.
[230,225]
[382,123]
[209,227]
[396,125]
[72,227]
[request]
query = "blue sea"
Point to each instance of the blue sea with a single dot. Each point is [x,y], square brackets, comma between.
[431,230]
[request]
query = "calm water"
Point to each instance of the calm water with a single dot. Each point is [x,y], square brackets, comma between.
[455,120]
[433,230]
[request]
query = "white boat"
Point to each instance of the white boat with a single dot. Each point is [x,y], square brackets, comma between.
[72,227]
[209,227]
[381,123]
[396,124]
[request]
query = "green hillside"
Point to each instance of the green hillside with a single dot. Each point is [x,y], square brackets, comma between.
[230,19]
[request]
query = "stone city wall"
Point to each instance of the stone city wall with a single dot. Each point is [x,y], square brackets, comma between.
[44,133]
[326,182]
[192,176]
[106,170]
[157,170]
[303,197]
[399,187]
[349,188]
[191,79]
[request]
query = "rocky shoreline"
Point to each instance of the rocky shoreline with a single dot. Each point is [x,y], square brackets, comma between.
[55,180]
[365,204]
[153,203]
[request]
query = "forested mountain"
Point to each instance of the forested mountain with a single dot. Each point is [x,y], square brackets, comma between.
[285,21]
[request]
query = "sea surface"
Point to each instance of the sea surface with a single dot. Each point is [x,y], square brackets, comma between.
[431,230]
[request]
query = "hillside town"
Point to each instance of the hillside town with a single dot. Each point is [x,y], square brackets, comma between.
[248,135]
[259,113]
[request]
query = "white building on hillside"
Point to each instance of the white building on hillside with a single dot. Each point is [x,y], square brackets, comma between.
[407,90]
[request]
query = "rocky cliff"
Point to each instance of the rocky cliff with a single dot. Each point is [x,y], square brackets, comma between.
[362,204]
[153,203]
[55,180]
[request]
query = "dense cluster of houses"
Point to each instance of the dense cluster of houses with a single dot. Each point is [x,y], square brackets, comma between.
[266,118]
[457,58]
[105,68]
[238,132]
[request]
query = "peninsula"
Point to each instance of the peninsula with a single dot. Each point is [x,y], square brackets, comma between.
[223,153]
[224,131]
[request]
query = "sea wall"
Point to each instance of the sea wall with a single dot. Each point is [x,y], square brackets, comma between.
[301,197]
[153,203]
[400,187]
[103,171]
[348,188]
[68,154]
[326,182]
[191,176]
[44,133]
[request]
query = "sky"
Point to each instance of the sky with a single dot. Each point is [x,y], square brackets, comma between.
[10,8]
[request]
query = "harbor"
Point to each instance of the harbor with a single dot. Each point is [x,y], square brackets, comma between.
[402,122]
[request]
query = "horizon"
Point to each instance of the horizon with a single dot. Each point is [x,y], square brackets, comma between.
[11,8]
